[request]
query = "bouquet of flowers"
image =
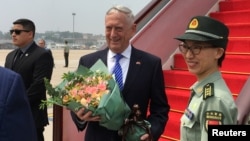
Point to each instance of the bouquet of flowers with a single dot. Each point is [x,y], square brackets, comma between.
[94,89]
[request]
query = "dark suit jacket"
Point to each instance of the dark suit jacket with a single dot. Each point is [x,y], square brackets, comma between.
[144,85]
[35,65]
[16,121]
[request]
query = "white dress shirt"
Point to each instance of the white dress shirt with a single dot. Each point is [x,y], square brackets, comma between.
[124,62]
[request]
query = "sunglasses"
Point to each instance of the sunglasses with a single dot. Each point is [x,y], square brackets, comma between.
[17,31]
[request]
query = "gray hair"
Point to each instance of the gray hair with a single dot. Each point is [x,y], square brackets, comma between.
[122,9]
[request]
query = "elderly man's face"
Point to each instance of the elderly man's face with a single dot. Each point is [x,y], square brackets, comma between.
[41,43]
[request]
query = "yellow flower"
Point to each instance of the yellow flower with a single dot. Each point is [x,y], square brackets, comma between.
[84,102]
[65,99]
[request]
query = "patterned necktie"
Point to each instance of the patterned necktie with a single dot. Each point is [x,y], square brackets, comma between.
[118,71]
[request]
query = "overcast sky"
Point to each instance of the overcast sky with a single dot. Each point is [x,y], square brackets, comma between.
[56,15]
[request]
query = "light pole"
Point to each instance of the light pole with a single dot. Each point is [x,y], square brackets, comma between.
[73,14]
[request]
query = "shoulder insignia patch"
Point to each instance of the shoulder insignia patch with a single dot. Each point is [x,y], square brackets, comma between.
[213,118]
[189,114]
[208,90]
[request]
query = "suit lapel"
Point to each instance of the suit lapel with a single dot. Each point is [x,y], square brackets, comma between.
[134,68]
[103,56]
[12,58]
[18,63]
[24,57]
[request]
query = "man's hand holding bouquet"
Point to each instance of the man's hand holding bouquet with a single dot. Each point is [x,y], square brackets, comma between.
[92,94]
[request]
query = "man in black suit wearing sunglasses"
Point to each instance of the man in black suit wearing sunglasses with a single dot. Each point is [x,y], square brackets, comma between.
[33,64]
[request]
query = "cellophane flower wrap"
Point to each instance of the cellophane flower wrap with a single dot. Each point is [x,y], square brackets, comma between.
[94,89]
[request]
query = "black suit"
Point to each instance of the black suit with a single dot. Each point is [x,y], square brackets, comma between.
[144,85]
[35,65]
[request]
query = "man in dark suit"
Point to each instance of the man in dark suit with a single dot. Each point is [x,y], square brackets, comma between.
[16,121]
[34,64]
[42,43]
[143,82]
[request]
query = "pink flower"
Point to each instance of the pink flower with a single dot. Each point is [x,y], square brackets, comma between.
[87,90]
